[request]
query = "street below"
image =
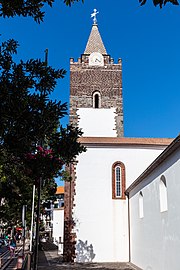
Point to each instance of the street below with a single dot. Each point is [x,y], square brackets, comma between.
[49,260]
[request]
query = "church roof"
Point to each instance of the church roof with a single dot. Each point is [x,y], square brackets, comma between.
[106,141]
[175,144]
[95,43]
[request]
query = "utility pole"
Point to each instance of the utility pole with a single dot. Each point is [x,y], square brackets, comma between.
[24,227]
[46,57]
[37,224]
[32,219]
[35,265]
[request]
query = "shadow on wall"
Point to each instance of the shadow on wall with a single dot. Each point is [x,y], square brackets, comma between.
[84,253]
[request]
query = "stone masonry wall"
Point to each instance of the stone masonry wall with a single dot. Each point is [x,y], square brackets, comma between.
[85,80]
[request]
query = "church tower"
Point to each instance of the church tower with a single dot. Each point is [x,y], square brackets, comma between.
[96,217]
[96,103]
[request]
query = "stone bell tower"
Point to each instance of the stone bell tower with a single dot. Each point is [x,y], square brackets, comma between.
[96,103]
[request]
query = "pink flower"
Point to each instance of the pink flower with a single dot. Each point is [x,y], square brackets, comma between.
[30,156]
[39,148]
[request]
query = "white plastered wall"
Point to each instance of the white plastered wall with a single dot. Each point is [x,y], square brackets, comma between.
[155,238]
[101,222]
[97,122]
[58,224]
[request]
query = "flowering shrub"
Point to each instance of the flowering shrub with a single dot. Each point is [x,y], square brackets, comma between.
[40,152]
[43,163]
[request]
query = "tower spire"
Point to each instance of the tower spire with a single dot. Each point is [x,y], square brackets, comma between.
[95,43]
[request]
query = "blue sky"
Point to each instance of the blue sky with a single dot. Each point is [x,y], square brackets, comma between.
[146,38]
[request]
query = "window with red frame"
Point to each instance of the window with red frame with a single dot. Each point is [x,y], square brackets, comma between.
[118,180]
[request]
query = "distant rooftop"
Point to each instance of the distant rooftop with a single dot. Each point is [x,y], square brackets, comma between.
[60,190]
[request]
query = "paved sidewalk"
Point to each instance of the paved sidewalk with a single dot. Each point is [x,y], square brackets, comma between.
[49,260]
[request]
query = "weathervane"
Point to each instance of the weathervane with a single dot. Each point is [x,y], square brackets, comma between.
[93,15]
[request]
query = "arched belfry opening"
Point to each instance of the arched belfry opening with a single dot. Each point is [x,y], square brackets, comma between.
[96,100]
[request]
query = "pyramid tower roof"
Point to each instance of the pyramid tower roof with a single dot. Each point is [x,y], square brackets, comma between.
[95,43]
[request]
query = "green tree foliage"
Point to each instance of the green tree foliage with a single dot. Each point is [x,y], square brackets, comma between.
[160,2]
[33,144]
[25,8]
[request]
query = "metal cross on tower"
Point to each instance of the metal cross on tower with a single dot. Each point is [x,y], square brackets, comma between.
[93,15]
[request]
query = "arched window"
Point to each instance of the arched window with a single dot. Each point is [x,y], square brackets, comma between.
[141,205]
[96,100]
[118,180]
[163,194]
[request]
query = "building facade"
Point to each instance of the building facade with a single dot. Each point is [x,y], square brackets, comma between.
[154,204]
[58,219]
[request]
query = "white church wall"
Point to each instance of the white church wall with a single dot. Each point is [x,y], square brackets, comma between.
[101,222]
[155,238]
[58,225]
[101,122]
